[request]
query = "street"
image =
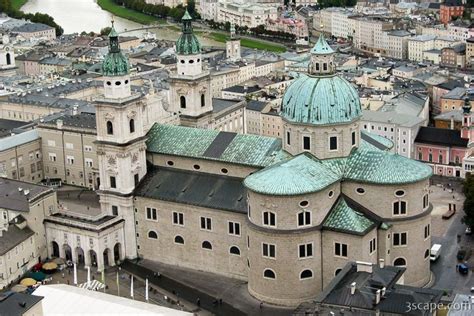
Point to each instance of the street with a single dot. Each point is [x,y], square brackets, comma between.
[444,269]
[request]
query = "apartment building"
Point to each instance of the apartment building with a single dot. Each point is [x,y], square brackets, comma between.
[396,44]
[335,21]
[454,57]
[470,52]
[245,14]
[21,158]
[369,34]
[418,44]
[36,31]
[208,9]
[69,151]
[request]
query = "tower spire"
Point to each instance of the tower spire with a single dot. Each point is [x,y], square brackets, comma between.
[322,58]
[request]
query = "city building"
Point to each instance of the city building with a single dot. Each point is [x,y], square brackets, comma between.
[23,244]
[208,9]
[397,44]
[21,304]
[35,31]
[7,57]
[450,9]
[418,44]
[370,34]
[362,288]
[232,46]
[470,52]
[248,14]
[21,157]
[454,57]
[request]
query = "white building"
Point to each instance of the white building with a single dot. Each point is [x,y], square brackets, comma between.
[245,14]
[208,9]
[418,44]
[334,21]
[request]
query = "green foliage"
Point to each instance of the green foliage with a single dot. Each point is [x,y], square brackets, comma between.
[145,13]
[336,3]
[105,30]
[468,190]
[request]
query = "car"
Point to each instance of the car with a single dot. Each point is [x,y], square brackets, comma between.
[468,231]
[463,269]
[461,254]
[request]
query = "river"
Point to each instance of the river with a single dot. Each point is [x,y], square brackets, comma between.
[76,16]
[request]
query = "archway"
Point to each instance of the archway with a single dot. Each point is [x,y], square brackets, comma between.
[55,249]
[117,252]
[93,257]
[67,252]
[80,255]
[106,254]
[9,59]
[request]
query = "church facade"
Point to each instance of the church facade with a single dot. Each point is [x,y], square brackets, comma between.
[285,214]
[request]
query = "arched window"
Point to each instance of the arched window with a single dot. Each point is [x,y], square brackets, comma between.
[206,245]
[430,157]
[203,100]
[234,250]
[337,272]
[306,274]
[182,101]
[269,274]
[304,218]
[399,208]
[179,240]
[110,128]
[152,234]
[317,66]
[420,156]
[131,123]
[9,59]
[400,262]
[427,253]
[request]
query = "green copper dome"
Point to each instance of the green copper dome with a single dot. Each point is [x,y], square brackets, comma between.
[115,63]
[187,43]
[320,100]
[322,47]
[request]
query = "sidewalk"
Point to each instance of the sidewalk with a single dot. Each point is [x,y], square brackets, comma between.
[181,291]
[233,292]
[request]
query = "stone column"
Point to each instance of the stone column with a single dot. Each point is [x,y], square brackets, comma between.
[62,252]
[74,255]
[100,261]
[111,258]
[87,258]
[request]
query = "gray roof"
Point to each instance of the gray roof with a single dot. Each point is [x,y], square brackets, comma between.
[18,139]
[17,304]
[219,104]
[338,292]
[456,115]
[193,188]
[393,117]
[406,103]
[399,33]
[255,105]
[46,101]
[56,61]
[242,89]
[32,27]
[12,237]
[11,198]
[6,126]
[458,93]
[82,120]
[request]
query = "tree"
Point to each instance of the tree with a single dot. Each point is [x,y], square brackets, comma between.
[468,190]
[105,30]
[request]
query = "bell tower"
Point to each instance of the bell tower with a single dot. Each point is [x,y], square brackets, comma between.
[233,45]
[121,147]
[190,85]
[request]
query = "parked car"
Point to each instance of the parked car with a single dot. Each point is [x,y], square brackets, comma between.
[463,254]
[448,214]
[468,230]
[463,269]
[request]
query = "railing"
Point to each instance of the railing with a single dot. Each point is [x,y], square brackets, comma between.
[65,211]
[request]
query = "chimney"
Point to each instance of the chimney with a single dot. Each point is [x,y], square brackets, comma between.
[364,266]
[353,288]
[381,263]
[74,109]
[377,297]
[383,291]
[59,124]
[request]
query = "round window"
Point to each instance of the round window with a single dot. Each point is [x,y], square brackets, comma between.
[399,193]
[360,190]
[224,170]
[304,203]
[118,83]
[170,163]
[197,167]
[198,60]
[182,61]
[109,83]
[331,194]
[191,61]
[126,81]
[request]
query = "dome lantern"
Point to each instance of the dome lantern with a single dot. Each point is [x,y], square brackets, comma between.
[115,63]
[322,58]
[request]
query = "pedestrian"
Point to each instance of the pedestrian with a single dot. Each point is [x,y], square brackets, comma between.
[198,302]
[261,305]
[220,301]
[62,275]
[457,267]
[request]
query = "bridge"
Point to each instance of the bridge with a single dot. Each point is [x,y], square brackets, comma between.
[146,28]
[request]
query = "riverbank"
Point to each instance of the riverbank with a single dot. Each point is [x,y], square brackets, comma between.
[112,7]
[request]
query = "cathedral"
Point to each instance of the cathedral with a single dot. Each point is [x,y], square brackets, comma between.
[285,214]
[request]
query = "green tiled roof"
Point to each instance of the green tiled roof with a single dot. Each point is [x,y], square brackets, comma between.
[187,43]
[321,100]
[322,47]
[305,174]
[251,150]
[343,217]
[299,175]
[115,63]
